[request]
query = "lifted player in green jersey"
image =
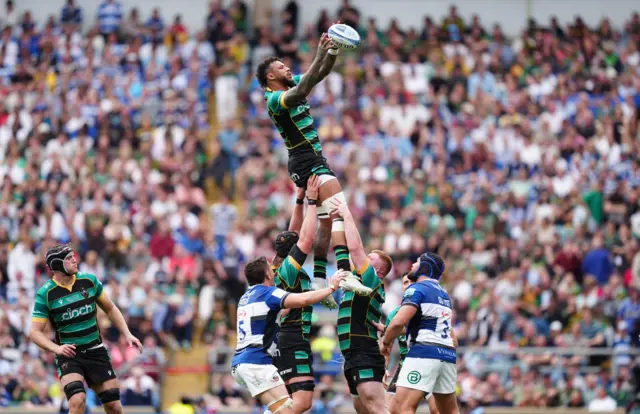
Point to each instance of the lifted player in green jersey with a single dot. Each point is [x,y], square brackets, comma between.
[364,366]
[286,98]
[69,301]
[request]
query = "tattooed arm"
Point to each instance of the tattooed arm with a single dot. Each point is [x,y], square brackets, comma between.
[327,65]
[311,78]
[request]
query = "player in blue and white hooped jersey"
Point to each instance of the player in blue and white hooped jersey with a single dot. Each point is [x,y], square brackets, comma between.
[430,365]
[258,316]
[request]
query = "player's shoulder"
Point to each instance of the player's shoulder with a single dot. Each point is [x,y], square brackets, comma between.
[297,78]
[45,288]
[89,276]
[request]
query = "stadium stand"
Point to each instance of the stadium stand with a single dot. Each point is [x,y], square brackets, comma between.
[516,159]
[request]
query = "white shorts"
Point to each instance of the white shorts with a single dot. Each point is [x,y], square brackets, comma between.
[257,378]
[428,375]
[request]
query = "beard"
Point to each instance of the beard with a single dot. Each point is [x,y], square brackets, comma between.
[287,82]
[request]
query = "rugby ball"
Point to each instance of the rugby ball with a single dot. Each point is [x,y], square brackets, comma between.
[344,36]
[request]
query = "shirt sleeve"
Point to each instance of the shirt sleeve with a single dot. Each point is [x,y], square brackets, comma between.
[369,276]
[290,268]
[275,298]
[413,297]
[98,285]
[275,102]
[40,309]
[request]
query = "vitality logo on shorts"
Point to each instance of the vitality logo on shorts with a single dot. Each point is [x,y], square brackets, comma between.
[414,377]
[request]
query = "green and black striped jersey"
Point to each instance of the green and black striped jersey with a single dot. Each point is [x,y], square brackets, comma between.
[294,124]
[71,310]
[291,277]
[402,339]
[356,331]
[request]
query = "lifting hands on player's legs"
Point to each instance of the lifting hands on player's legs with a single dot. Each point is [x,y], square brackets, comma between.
[313,187]
[351,283]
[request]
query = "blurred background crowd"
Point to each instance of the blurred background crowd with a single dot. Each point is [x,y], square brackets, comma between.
[146,144]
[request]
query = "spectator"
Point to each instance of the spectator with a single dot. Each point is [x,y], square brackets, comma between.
[139,389]
[597,262]
[155,26]
[602,403]
[109,17]
[71,15]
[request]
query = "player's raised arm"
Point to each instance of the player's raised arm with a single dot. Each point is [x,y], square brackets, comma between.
[115,316]
[308,231]
[311,77]
[354,242]
[300,300]
[298,211]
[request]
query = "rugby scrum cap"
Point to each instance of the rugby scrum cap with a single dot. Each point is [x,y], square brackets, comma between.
[55,257]
[285,241]
[431,265]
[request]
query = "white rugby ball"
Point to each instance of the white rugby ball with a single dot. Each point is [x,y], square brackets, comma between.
[344,36]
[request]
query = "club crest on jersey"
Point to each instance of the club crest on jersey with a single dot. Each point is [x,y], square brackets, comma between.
[85,293]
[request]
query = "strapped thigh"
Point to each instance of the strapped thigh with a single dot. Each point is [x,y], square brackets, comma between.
[287,403]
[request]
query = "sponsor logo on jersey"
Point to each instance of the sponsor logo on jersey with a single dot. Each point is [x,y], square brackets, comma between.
[408,293]
[75,313]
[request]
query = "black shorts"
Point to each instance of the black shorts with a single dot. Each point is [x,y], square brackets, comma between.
[362,367]
[294,359]
[304,165]
[93,364]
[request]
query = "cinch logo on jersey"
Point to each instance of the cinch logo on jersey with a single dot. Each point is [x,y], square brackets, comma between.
[74,313]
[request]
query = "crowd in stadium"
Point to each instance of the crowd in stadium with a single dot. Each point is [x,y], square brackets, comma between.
[515,159]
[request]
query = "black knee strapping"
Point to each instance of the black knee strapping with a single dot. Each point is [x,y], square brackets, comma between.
[109,395]
[73,388]
[301,386]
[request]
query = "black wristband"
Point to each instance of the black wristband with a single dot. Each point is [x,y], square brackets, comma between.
[299,200]
[311,202]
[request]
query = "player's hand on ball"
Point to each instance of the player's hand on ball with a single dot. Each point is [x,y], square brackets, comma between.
[325,43]
[132,340]
[313,187]
[68,351]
